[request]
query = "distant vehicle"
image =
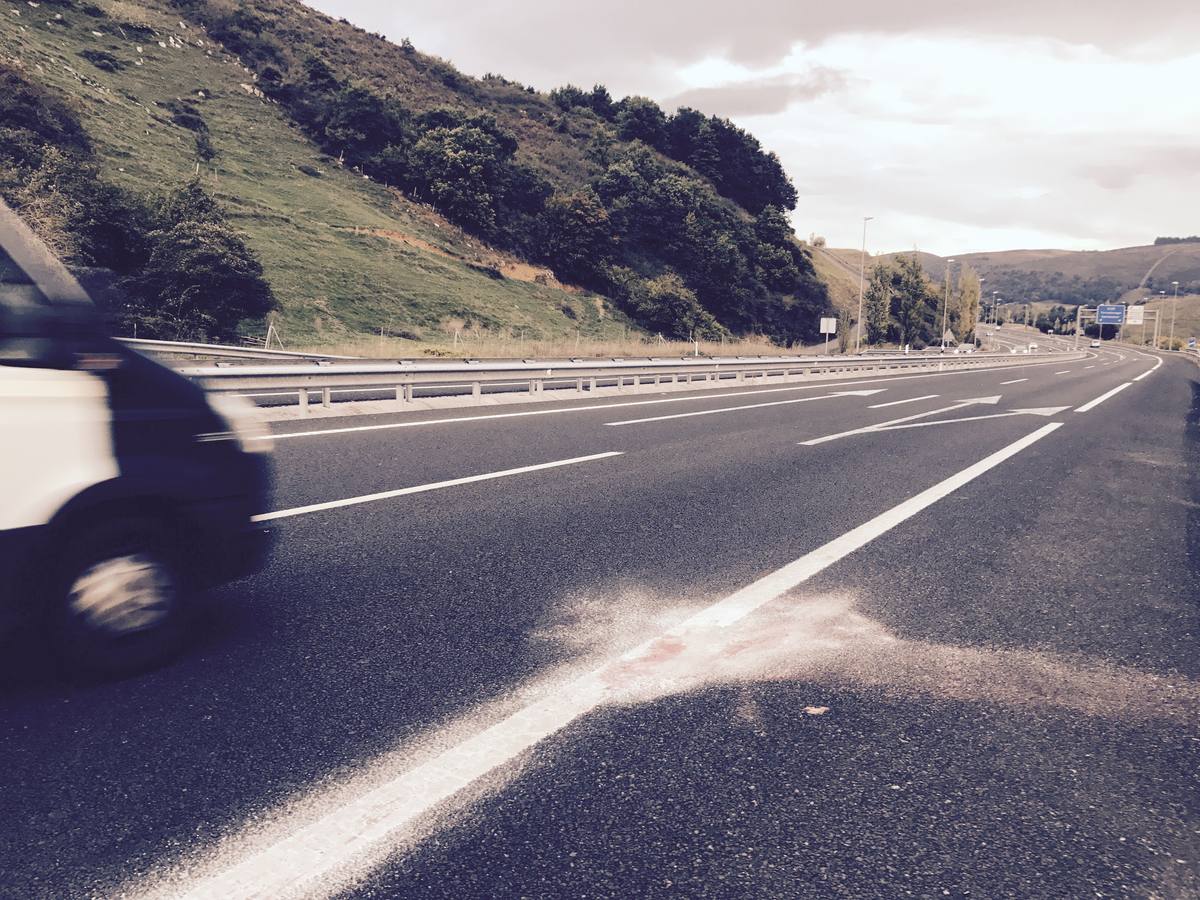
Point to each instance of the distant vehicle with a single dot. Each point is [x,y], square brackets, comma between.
[124,486]
[1032,346]
[1094,344]
[965,348]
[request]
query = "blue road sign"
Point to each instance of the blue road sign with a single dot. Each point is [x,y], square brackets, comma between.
[1191,343]
[1110,314]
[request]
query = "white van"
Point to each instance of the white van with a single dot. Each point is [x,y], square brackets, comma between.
[124,488]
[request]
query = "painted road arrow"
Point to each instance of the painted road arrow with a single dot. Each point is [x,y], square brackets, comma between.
[725,409]
[961,404]
[1046,411]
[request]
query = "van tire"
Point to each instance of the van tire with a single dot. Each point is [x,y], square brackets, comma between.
[120,604]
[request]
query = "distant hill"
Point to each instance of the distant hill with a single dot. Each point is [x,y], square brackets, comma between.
[1068,276]
[380,188]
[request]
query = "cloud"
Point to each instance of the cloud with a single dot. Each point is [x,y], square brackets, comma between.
[761,96]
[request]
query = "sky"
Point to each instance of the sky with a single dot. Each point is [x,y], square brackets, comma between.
[958,125]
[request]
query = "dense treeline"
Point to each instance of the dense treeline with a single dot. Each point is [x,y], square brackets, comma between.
[1025,286]
[902,306]
[167,266]
[1191,239]
[732,159]
[1058,319]
[653,234]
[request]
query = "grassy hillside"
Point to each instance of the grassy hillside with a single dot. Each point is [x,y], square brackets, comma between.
[282,113]
[344,255]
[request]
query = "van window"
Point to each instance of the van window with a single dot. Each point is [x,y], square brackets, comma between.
[25,318]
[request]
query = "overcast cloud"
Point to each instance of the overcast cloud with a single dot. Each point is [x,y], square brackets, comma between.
[959,126]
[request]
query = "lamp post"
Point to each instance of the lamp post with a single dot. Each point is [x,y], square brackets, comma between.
[946,304]
[995,309]
[1174,303]
[862,272]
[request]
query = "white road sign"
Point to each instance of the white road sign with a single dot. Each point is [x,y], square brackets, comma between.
[828,325]
[1135,315]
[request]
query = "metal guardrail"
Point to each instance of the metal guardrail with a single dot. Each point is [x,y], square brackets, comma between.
[471,376]
[186,348]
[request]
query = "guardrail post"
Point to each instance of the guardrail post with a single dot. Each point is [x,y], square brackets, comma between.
[304,399]
[326,397]
[741,376]
[637,383]
[532,386]
[592,383]
[476,389]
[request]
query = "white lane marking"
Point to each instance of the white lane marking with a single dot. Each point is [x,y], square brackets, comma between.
[1089,367]
[573,409]
[1092,404]
[1150,371]
[1014,381]
[310,855]
[434,486]
[909,400]
[727,409]
[992,401]
[1063,372]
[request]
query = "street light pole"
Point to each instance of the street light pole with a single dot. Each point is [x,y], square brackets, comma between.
[1174,303]
[862,273]
[946,304]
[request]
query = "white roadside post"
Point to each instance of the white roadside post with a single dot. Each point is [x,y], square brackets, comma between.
[946,304]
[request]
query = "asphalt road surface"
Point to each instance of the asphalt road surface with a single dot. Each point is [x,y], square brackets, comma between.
[739,643]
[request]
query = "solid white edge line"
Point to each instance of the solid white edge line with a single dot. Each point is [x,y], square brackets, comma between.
[1092,404]
[299,862]
[909,400]
[433,486]
[813,386]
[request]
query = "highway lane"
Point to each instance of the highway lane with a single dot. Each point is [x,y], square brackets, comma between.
[380,621]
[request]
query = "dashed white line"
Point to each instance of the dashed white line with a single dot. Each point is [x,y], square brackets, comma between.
[434,486]
[899,402]
[1092,404]
[311,854]
[1089,367]
[1063,372]
[1014,381]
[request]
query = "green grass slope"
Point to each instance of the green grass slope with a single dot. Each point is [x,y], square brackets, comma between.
[344,255]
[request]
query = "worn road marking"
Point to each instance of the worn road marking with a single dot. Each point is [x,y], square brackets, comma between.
[434,486]
[1014,381]
[1063,372]
[309,856]
[728,409]
[1092,404]
[899,402]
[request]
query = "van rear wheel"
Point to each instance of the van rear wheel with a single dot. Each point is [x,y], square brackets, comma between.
[121,602]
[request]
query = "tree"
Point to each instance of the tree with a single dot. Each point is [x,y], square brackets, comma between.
[911,317]
[665,303]
[577,236]
[877,303]
[200,279]
[460,171]
[966,311]
[641,119]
